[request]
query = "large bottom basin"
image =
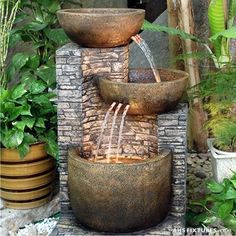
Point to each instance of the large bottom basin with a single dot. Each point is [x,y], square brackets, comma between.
[143,94]
[120,197]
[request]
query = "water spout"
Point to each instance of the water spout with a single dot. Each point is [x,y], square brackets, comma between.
[147,52]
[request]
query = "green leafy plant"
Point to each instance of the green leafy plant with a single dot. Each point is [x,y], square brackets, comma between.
[28,113]
[28,116]
[218,93]
[222,31]
[8,10]
[39,27]
[217,207]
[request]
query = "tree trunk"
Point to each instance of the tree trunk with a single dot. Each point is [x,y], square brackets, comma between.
[175,47]
[198,135]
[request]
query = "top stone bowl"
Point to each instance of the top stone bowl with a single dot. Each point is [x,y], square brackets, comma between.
[100,27]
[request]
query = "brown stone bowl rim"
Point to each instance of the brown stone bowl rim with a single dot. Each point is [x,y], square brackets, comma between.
[100,11]
[140,84]
[161,155]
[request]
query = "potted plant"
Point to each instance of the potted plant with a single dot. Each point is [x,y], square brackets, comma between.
[217,209]
[28,138]
[28,112]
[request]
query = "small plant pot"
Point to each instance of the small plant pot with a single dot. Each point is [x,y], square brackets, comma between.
[26,183]
[223,163]
[120,197]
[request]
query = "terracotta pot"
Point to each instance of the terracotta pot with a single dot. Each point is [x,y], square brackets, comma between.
[120,197]
[26,183]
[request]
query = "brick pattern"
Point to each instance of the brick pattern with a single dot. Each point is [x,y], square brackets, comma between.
[81,112]
[172,129]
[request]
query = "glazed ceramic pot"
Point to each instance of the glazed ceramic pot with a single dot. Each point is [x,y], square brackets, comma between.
[26,183]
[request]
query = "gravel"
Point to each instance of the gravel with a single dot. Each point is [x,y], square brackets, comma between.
[43,228]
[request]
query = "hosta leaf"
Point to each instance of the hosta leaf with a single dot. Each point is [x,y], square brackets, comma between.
[13,138]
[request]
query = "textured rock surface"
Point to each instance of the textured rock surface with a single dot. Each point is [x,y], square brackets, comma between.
[158,44]
[12,220]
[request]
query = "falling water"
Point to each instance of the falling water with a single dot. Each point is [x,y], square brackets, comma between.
[121,130]
[147,52]
[112,129]
[103,128]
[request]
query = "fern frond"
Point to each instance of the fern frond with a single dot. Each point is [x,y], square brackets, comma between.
[172,31]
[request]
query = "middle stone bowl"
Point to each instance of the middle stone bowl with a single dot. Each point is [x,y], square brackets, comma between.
[143,94]
[100,27]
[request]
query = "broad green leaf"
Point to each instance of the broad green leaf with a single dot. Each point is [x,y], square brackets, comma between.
[228,33]
[51,143]
[18,91]
[215,187]
[230,222]
[23,149]
[230,193]
[52,6]
[216,16]
[225,209]
[3,93]
[1,115]
[47,74]
[29,138]
[33,62]
[35,26]
[19,60]
[26,110]
[37,86]
[57,35]
[233,182]
[13,138]
[15,37]
[40,123]
[29,121]
[19,125]
[15,112]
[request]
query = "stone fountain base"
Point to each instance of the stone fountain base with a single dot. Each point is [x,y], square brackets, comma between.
[81,112]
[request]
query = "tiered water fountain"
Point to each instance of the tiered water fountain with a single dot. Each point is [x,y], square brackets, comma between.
[125,168]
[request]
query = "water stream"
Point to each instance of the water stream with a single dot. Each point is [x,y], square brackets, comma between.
[112,129]
[121,130]
[147,52]
[104,124]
